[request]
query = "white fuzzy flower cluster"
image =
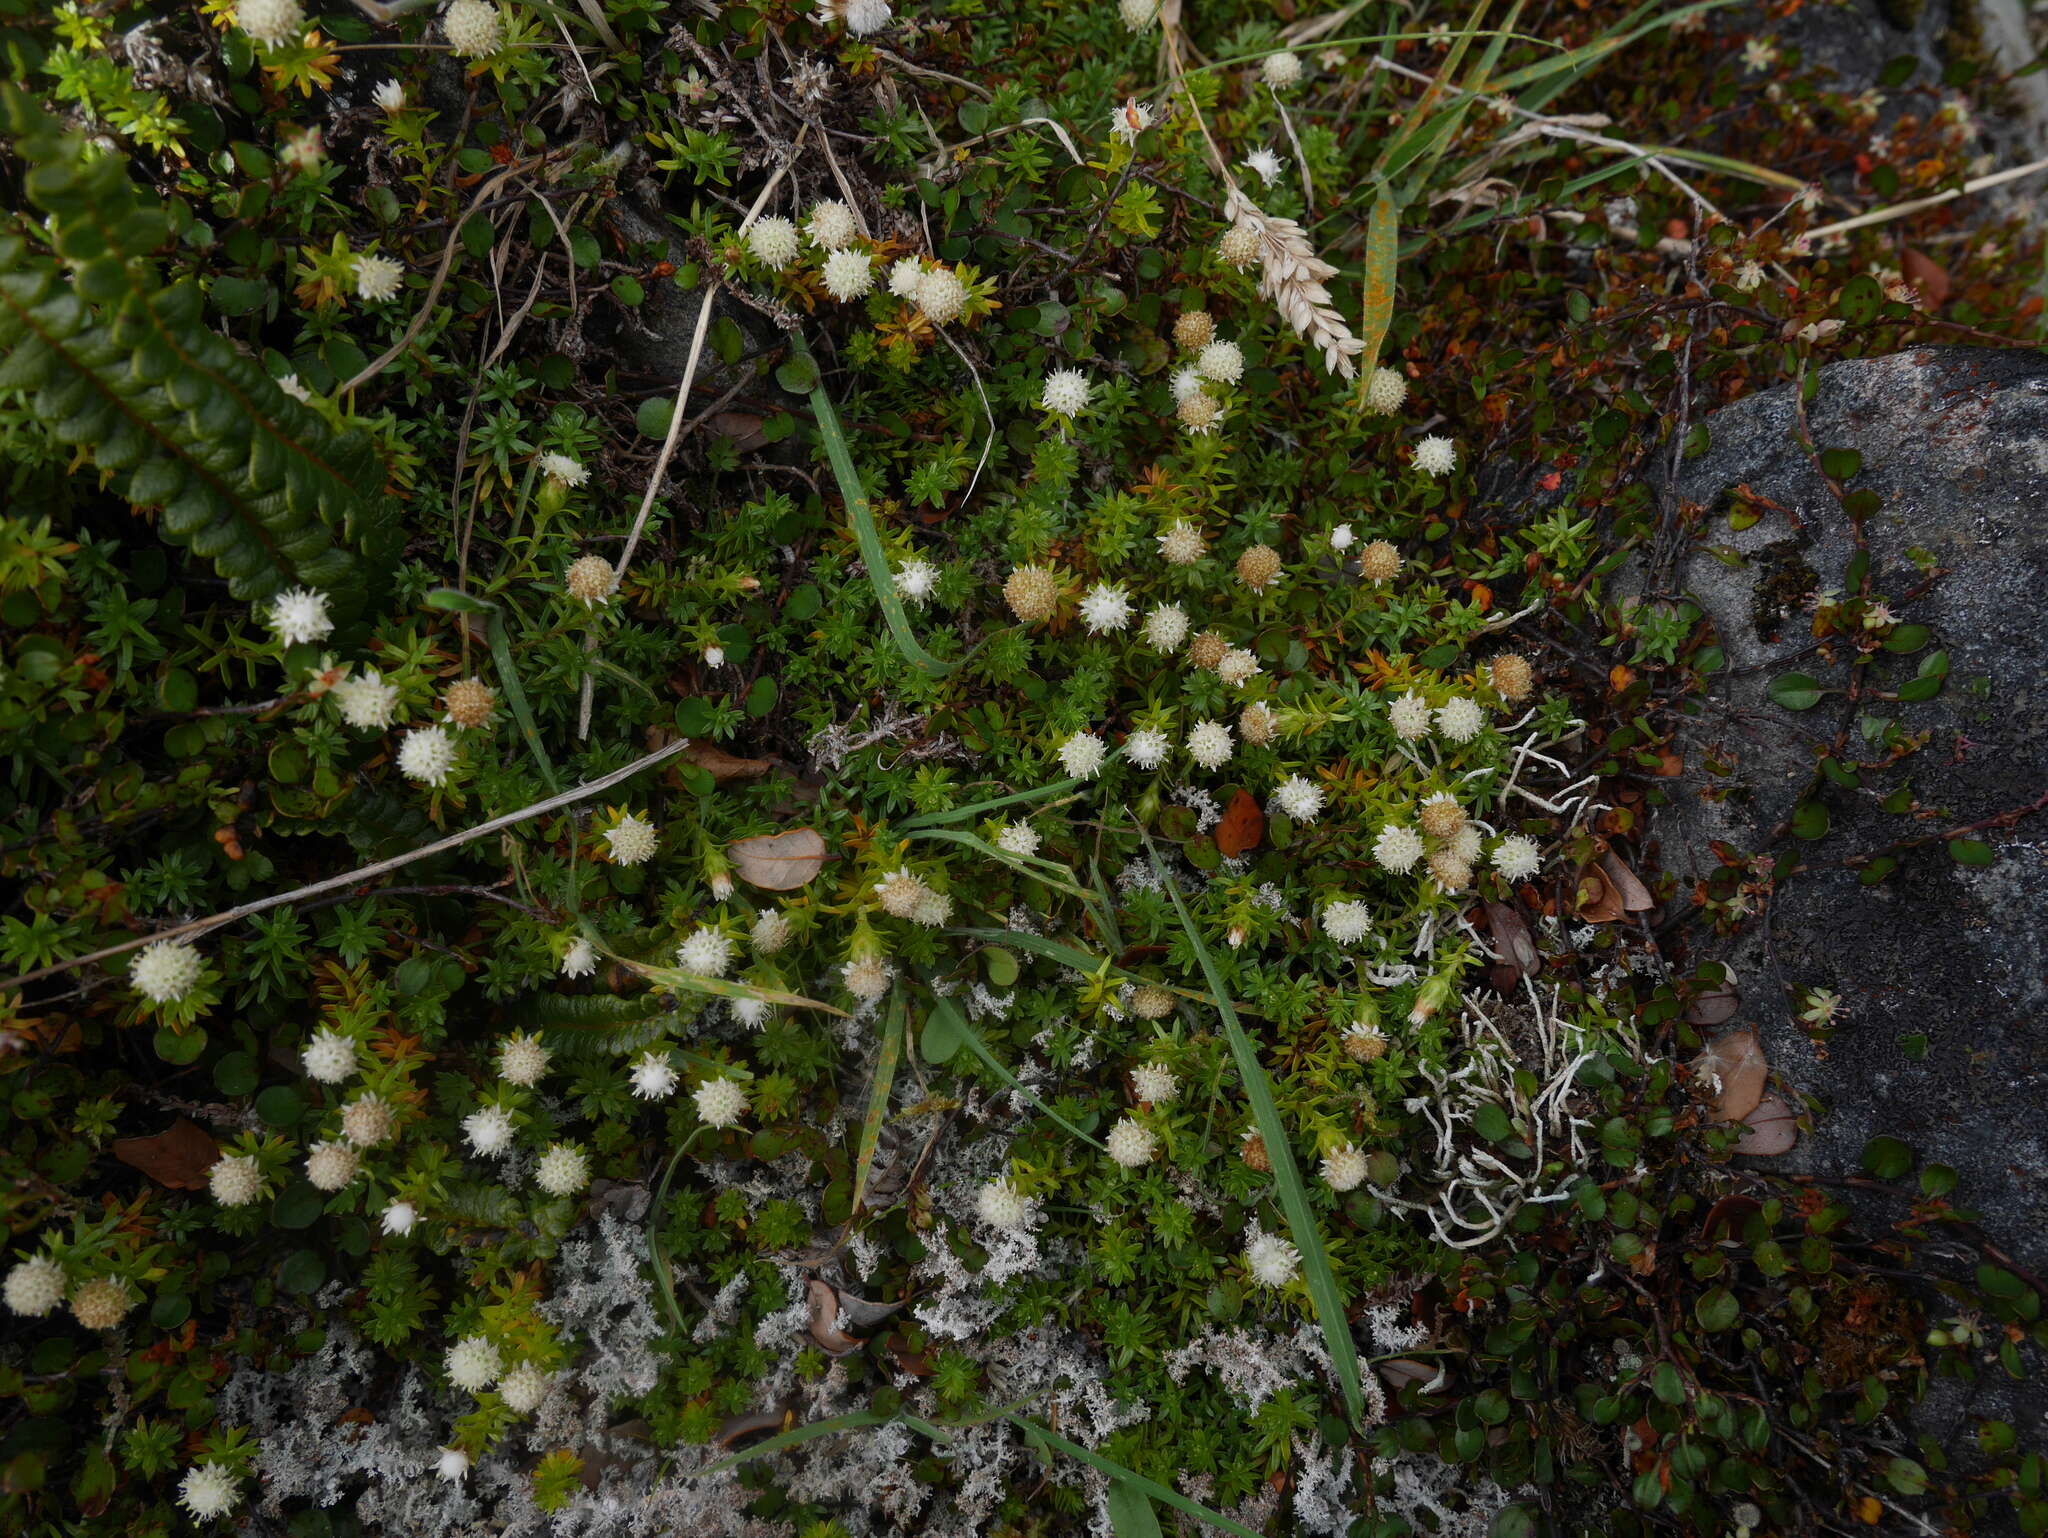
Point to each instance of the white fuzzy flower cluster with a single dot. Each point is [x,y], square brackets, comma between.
[1299,798]
[209,1489]
[849,275]
[1344,1168]
[378,278]
[1436,456]
[299,616]
[1147,747]
[1460,719]
[632,840]
[165,970]
[1166,627]
[474,28]
[273,23]
[1000,1205]
[1065,393]
[1082,755]
[35,1287]
[366,700]
[1516,858]
[721,1102]
[330,1056]
[473,1364]
[489,1131]
[563,1170]
[560,467]
[905,896]
[1397,848]
[770,932]
[1181,543]
[1131,1143]
[773,241]
[1155,1084]
[524,1387]
[1209,744]
[863,18]
[427,755]
[331,1166]
[654,1076]
[707,952]
[235,1180]
[1137,15]
[915,579]
[1410,717]
[580,959]
[1018,838]
[1347,922]
[522,1060]
[1272,1261]
[1106,607]
[831,226]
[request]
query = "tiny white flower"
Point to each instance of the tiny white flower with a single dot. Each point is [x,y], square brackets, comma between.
[331,1166]
[522,1060]
[1460,719]
[1280,70]
[1397,848]
[1273,1261]
[1166,627]
[1222,362]
[1107,606]
[714,657]
[1410,717]
[1209,744]
[1182,543]
[330,1056]
[1081,755]
[707,952]
[1000,1205]
[770,932]
[1385,390]
[427,755]
[489,1131]
[452,1466]
[235,1180]
[721,1102]
[1018,838]
[378,278]
[1749,277]
[831,225]
[1131,1143]
[210,1489]
[399,1218]
[165,970]
[299,615]
[1130,120]
[1066,392]
[1155,1084]
[366,701]
[774,242]
[1147,748]
[1300,798]
[1137,15]
[474,28]
[1436,456]
[580,959]
[563,1170]
[1342,538]
[289,383]
[35,1287]
[1347,922]
[632,840]
[1344,1168]
[560,467]
[654,1076]
[1516,858]
[389,96]
[1266,165]
[915,579]
[849,274]
[273,23]
[473,1364]
[524,1387]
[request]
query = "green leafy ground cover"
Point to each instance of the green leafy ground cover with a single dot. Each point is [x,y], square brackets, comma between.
[982,886]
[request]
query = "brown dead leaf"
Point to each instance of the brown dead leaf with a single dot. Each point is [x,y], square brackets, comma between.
[1715,1007]
[825,1330]
[743,427]
[744,1428]
[1243,825]
[779,862]
[1724,1220]
[1635,897]
[722,766]
[1927,275]
[1597,901]
[1401,1371]
[1512,941]
[1735,1061]
[1771,1129]
[178,1157]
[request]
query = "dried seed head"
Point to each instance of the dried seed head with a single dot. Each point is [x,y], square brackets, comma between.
[1364,1044]
[1513,676]
[1379,562]
[470,702]
[1033,593]
[1239,246]
[1442,817]
[1452,873]
[1257,724]
[1253,1152]
[1194,329]
[1151,1002]
[592,579]
[1208,650]
[1199,413]
[1258,566]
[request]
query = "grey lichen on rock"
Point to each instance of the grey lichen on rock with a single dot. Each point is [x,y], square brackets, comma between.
[1942,967]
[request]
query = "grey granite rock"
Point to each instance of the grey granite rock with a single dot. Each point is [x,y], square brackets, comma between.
[1943,968]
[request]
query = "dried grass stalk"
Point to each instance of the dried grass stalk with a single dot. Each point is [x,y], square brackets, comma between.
[1291,275]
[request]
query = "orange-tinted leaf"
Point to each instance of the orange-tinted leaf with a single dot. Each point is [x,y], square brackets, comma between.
[722,766]
[779,862]
[1243,825]
[832,1340]
[1735,1062]
[1771,1129]
[1635,897]
[1596,901]
[1619,677]
[1927,275]
[178,1157]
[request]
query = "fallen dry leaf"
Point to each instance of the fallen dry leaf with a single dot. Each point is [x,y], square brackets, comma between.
[1404,1370]
[1927,275]
[1596,899]
[1635,897]
[1771,1129]
[779,862]
[722,766]
[756,1423]
[1724,1220]
[1716,1007]
[178,1157]
[1736,1062]
[825,1330]
[1512,941]
[1243,825]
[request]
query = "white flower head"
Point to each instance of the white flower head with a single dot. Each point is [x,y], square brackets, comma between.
[563,1170]
[1222,362]
[399,1218]
[720,1102]
[915,579]
[366,701]
[331,1166]
[1347,922]
[831,225]
[165,970]
[1516,858]
[1410,717]
[1131,1143]
[1155,1084]
[1018,838]
[1272,1260]
[1209,744]
[299,615]
[905,275]
[378,278]
[1137,15]
[1187,381]
[632,840]
[1460,719]
[522,1060]
[1266,165]
[1435,455]
[580,959]
[427,755]
[210,1489]
[770,932]
[474,28]
[1106,606]
[863,18]
[273,23]
[473,1364]
[35,1287]
[1066,392]
[707,952]
[849,274]
[1344,1168]
[235,1180]
[1300,798]
[1280,70]
[654,1076]
[488,1131]
[389,96]
[1385,390]
[452,1466]
[941,295]
[1397,848]
[560,467]
[330,1056]
[1342,538]
[1130,120]
[773,241]
[1147,747]
[1182,543]
[1166,627]
[1081,755]
[1000,1205]
[1238,667]
[524,1387]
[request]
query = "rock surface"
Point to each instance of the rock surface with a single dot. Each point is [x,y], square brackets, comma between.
[1942,1036]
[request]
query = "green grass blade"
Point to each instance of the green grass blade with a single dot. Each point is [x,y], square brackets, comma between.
[1119,1475]
[796,1436]
[890,1054]
[1130,1511]
[862,516]
[1382,268]
[1024,864]
[1323,1289]
[515,696]
[983,808]
[724,988]
[951,1019]
[1589,54]
[1425,123]
[657,1252]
